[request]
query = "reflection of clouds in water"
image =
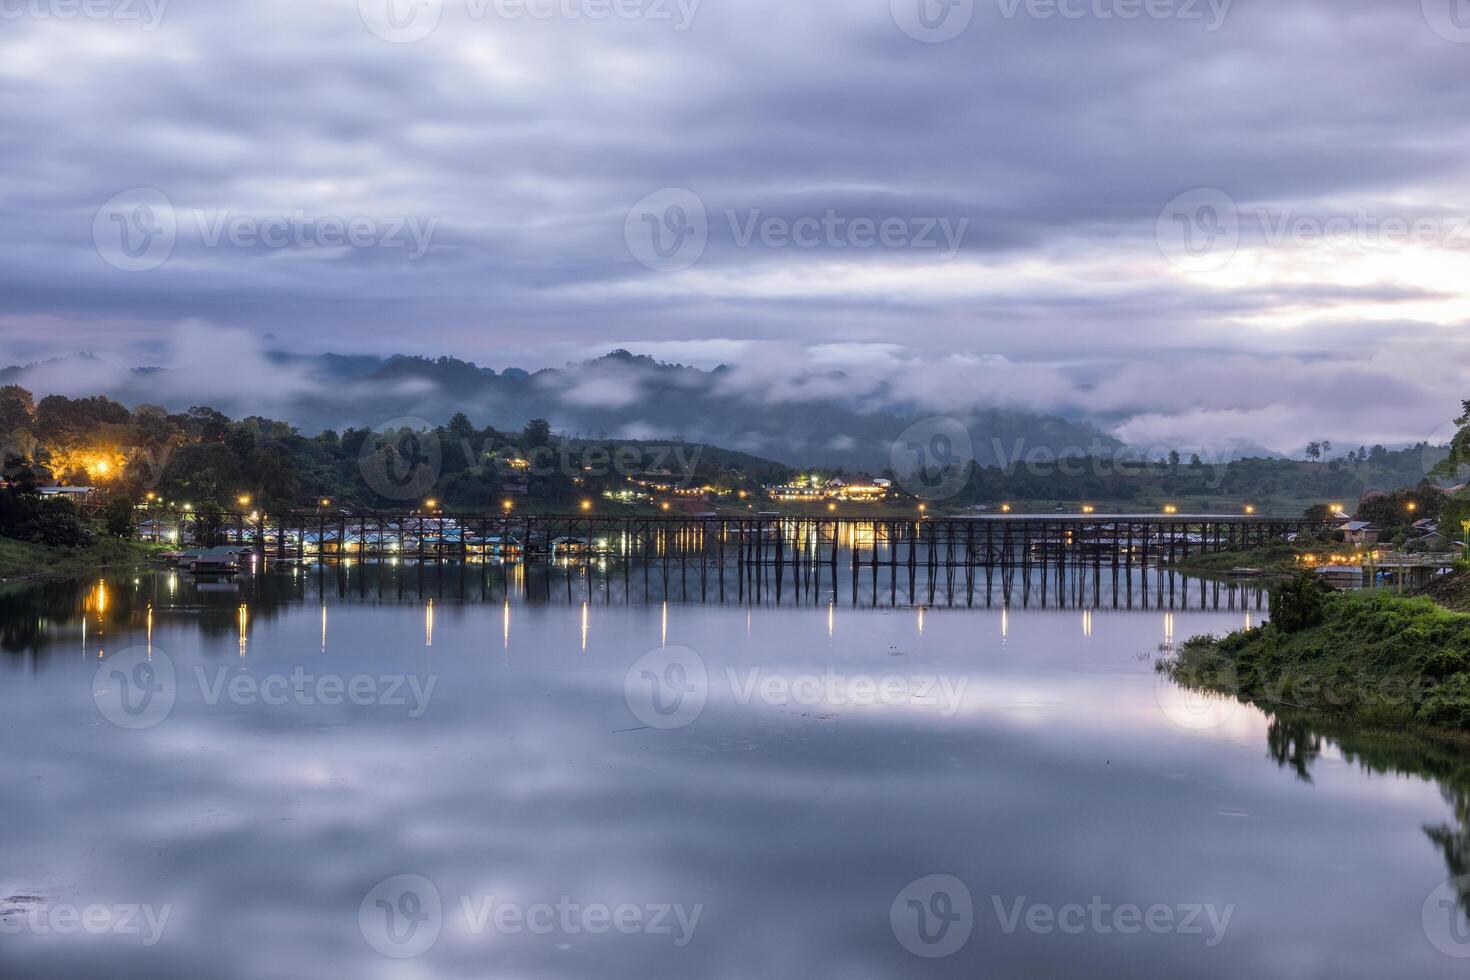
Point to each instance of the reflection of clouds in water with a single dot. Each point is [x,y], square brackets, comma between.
[1061,779]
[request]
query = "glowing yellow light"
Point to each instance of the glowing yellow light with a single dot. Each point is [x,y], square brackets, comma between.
[586,505]
[431,503]
[101,467]
[1250,508]
[243,500]
[665,505]
[325,502]
[1005,508]
[506,505]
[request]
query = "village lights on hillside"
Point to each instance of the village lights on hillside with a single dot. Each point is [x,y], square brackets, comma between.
[1412,506]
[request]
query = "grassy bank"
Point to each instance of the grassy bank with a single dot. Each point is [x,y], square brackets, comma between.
[1273,559]
[1451,591]
[23,559]
[1380,662]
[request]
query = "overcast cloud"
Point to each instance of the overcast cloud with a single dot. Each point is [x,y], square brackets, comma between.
[993,219]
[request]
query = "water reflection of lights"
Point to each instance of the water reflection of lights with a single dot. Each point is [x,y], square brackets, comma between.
[324,627]
[1087,622]
[1168,631]
[1005,622]
[663,638]
[429,623]
[505,624]
[242,617]
[831,618]
[584,625]
[921,620]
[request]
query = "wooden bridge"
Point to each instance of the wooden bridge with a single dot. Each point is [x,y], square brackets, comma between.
[746,541]
[760,555]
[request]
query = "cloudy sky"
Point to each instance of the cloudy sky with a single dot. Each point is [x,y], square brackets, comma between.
[1196,222]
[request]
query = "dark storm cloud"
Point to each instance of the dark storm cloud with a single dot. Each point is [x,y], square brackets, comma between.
[1046,146]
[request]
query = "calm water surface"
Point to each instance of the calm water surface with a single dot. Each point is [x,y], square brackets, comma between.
[606,777]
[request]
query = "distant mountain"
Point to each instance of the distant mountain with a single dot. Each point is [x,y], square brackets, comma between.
[823,419]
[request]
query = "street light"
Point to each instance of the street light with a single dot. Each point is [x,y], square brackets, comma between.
[586,505]
[1250,508]
[243,500]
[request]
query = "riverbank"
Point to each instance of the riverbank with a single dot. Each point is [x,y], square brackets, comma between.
[1377,662]
[22,560]
[1451,591]
[1277,559]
